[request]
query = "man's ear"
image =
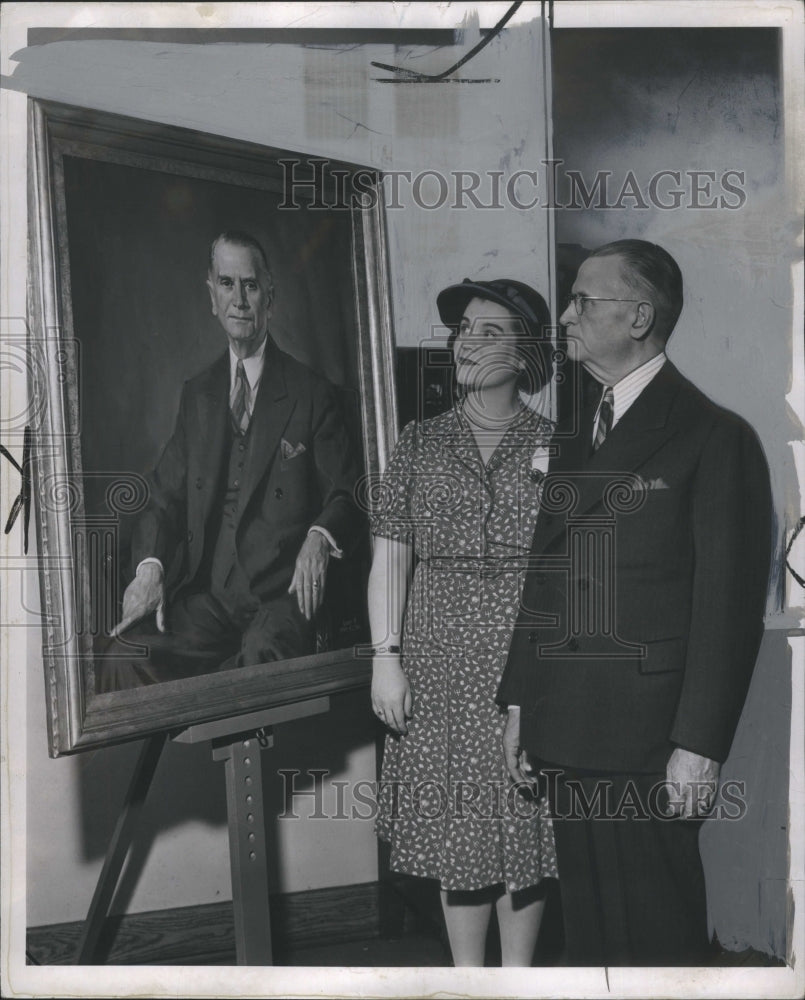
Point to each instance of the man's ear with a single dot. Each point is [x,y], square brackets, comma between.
[211,290]
[644,321]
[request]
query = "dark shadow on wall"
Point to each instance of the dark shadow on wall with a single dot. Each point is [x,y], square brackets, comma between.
[300,777]
[637,85]
[189,786]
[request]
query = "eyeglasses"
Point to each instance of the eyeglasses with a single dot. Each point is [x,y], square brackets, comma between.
[578,300]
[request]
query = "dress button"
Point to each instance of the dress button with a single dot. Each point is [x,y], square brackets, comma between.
[533,636]
[278,493]
[240,465]
[241,447]
[199,483]
[236,482]
[190,536]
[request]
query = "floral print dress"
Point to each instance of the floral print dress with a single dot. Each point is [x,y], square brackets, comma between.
[446,803]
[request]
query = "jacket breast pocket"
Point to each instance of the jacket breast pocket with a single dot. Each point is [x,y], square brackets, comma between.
[296,467]
[663,656]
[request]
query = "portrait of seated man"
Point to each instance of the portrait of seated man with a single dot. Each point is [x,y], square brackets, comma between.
[249,501]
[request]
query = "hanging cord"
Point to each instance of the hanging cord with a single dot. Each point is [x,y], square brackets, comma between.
[412,75]
[23,498]
[788,548]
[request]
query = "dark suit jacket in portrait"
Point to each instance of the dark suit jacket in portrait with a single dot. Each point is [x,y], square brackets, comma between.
[300,471]
[684,583]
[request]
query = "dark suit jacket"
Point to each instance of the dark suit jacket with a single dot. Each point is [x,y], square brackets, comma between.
[280,497]
[686,576]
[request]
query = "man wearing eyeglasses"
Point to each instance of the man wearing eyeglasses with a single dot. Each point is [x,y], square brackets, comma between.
[642,615]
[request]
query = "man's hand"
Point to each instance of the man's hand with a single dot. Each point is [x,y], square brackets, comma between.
[693,784]
[515,757]
[310,573]
[392,701]
[145,593]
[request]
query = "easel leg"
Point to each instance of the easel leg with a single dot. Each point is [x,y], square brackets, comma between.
[247,848]
[118,847]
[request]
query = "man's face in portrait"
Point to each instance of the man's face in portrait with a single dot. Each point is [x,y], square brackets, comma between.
[239,296]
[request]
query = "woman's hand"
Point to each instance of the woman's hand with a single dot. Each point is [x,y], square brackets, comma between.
[517,763]
[392,701]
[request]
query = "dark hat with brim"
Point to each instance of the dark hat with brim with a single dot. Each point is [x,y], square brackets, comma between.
[520,299]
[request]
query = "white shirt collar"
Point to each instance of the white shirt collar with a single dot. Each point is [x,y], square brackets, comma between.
[252,366]
[626,391]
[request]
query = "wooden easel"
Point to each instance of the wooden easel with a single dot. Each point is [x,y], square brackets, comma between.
[238,743]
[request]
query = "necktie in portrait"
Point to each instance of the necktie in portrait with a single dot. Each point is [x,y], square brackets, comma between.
[239,405]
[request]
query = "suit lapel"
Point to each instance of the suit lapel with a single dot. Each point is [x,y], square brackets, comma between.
[573,435]
[643,429]
[272,410]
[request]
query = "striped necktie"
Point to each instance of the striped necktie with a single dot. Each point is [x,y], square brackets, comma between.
[605,415]
[239,402]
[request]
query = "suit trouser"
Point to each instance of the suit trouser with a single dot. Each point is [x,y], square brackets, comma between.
[206,632]
[632,883]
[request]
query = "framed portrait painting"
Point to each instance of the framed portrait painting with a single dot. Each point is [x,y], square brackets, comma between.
[123,314]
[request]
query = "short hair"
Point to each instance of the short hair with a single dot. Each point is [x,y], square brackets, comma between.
[647,267]
[239,238]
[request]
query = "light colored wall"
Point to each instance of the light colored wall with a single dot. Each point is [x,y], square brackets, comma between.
[315,100]
[329,102]
[651,101]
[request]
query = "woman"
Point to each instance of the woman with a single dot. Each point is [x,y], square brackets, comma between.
[459,498]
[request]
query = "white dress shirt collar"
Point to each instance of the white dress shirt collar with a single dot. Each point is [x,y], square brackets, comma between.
[252,366]
[629,388]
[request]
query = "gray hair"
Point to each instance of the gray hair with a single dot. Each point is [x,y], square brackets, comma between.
[239,238]
[647,267]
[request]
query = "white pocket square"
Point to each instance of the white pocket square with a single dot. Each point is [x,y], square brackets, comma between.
[287,450]
[656,484]
[539,464]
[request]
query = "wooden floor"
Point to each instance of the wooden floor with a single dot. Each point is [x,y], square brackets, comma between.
[348,926]
[408,951]
[425,950]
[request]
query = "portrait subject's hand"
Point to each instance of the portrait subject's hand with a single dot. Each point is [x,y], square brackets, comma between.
[310,573]
[145,593]
[514,756]
[392,701]
[693,782]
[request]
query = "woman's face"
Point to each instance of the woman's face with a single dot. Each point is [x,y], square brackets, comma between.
[485,350]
